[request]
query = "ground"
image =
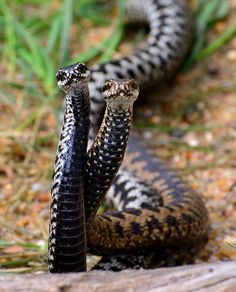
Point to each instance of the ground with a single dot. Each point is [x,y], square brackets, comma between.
[190,122]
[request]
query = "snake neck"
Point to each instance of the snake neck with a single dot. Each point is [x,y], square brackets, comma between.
[105,156]
[67,245]
[74,134]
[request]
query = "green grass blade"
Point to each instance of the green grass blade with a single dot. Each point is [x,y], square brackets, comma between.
[10,39]
[91,53]
[222,10]
[7,98]
[231,244]
[112,45]
[28,245]
[65,32]
[93,11]
[37,58]
[34,59]
[226,36]
[28,121]
[207,13]
[95,18]
[15,263]
[54,34]
[116,35]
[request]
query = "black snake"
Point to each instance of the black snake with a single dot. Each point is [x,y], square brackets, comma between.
[156,211]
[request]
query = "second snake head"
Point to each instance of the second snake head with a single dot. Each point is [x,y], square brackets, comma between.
[120,93]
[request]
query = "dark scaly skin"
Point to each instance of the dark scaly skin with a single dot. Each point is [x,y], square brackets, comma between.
[67,240]
[107,151]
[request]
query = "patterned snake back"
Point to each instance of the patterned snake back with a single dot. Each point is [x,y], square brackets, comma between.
[155,208]
[170,36]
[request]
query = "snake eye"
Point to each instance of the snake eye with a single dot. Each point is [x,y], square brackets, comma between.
[61,75]
[134,85]
[81,68]
[107,85]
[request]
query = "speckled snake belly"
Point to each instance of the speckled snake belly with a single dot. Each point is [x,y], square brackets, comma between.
[155,208]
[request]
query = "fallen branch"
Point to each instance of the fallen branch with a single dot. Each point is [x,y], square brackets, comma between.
[205,277]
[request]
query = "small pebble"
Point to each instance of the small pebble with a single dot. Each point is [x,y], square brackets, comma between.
[231,55]
[148,135]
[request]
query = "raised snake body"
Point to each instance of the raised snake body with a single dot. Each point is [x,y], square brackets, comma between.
[155,207]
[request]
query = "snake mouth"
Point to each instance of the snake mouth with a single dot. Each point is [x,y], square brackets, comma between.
[120,92]
[72,75]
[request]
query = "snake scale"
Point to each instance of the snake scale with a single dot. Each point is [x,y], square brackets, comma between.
[155,211]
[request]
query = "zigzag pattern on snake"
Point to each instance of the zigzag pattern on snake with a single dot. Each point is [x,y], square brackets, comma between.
[155,207]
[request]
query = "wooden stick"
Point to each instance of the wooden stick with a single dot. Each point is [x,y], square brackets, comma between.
[216,277]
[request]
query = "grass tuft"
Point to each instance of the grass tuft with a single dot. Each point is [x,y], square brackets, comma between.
[207,14]
[232,244]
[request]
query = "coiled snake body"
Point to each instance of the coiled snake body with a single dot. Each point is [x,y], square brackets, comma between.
[155,208]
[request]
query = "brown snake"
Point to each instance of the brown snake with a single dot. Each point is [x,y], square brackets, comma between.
[155,208]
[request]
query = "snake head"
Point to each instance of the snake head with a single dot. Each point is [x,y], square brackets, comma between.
[120,93]
[71,75]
